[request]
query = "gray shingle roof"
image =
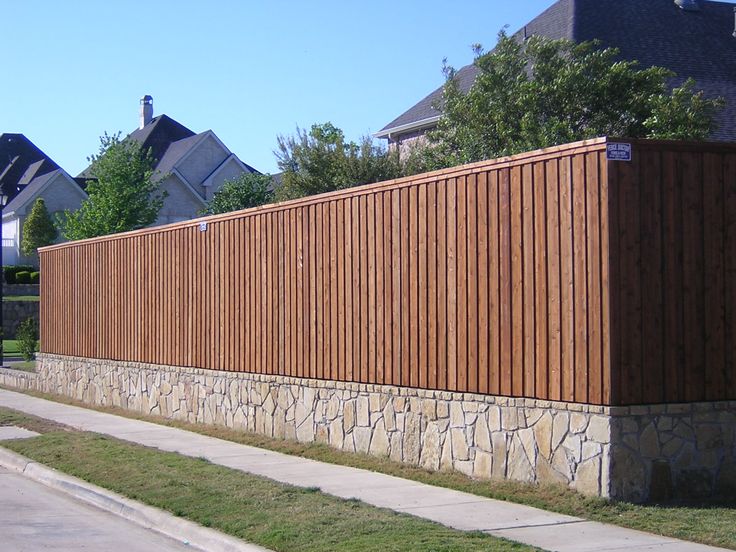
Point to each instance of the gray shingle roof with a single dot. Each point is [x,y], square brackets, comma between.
[36,169]
[20,162]
[158,135]
[28,191]
[175,152]
[169,142]
[654,32]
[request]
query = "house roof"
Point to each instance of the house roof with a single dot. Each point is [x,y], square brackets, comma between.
[697,44]
[29,191]
[33,188]
[175,152]
[158,135]
[169,141]
[20,162]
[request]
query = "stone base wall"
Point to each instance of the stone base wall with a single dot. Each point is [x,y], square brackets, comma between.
[15,312]
[19,379]
[21,289]
[685,450]
[618,452]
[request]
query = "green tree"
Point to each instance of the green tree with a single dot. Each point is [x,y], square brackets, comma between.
[543,92]
[245,191]
[27,336]
[322,161]
[122,194]
[38,229]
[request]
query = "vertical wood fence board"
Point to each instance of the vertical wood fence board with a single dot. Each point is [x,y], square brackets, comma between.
[567,285]
[580,226]
[516,255]
[442,329]
[529,283]
[472,286]
[422,287]
[462,278]
[504,281]
[388,289]
[452,285]
[693,284]
[594,288]
[541,318]
[729,206]
[713,239]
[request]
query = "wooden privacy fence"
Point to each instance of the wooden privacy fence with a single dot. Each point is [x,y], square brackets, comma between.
[555,275]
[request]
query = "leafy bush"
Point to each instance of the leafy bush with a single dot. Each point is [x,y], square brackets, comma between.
[245,191]
[38,229]
[123,195]
[541,92]
[9,272]
[35,277]
[321,160]
[23,277]
[27,336]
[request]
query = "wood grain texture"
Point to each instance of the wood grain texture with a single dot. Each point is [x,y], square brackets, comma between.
[555,275]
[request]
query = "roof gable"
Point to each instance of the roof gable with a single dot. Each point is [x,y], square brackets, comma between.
[176,152]
[158,136]
[20,162]
[29,192]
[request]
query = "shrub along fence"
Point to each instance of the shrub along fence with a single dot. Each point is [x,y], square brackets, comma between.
[591,273]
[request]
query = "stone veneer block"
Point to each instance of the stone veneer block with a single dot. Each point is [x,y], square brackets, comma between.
[617,452]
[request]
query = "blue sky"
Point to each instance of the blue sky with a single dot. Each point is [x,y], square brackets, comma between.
[247,70]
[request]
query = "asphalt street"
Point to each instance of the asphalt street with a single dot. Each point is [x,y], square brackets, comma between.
[34,517]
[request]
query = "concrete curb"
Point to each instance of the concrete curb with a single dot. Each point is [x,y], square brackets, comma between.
[155,519]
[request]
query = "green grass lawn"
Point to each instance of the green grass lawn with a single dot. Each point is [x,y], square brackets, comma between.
[25,366]
[280,517]
[21,298]
[10,347]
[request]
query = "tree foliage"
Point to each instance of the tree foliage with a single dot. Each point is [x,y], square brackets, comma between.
[27,336]
[122,195]
[322,161]
[543,92]
[38,229]
[245,191]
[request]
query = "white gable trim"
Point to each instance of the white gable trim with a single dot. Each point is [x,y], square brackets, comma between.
[422,124]
[23,210]
[187,185]
[204,135]
[232,157]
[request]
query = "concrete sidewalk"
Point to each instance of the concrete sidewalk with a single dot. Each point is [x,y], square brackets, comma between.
[455,509]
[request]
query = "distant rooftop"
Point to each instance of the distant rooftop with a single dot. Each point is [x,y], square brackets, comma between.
[20,162]
[698,44]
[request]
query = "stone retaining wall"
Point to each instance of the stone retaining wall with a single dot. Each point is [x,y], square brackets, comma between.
[21,289]
[618,452]
[15,312]
[19,379]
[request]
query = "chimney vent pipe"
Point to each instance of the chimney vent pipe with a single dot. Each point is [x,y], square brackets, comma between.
[146,110]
